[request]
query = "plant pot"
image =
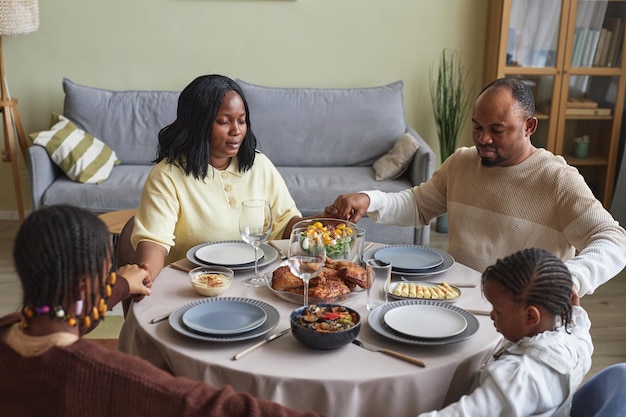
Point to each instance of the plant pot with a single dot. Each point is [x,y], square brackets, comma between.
[441,225]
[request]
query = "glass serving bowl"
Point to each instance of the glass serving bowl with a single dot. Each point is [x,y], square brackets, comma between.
[340,236]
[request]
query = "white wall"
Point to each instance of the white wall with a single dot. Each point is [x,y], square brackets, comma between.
[164,44]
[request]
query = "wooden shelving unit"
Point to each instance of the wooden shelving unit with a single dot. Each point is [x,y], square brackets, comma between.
[571,54]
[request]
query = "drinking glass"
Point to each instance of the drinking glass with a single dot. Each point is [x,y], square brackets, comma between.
[307,256]
[255,226]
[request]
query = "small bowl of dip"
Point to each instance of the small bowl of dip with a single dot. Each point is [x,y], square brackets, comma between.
[211,281]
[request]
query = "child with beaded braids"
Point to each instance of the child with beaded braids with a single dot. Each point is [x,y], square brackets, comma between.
[63,256]
[548,346]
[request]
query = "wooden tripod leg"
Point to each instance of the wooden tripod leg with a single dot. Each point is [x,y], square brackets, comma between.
[10,152]
[21,137]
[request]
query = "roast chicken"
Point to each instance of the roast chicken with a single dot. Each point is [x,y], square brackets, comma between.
[336,279]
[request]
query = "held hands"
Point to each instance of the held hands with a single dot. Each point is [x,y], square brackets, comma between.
[138,278]
[349,207]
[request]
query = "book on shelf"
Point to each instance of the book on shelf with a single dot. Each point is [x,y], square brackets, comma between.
[601,42]
[591,45]
[580,39]
[616,26]
[581,103]
[586,112]
[605,49]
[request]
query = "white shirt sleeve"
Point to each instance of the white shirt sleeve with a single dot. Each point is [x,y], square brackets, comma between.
[398,209]
[597,263]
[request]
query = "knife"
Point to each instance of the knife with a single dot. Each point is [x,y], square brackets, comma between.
[261,343]
[393,353]
[160,318]
[478,312]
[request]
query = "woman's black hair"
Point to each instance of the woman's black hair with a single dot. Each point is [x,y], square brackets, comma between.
[535,277]
[56,247]
[185,142]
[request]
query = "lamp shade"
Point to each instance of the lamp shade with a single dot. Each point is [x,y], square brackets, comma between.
[18,17]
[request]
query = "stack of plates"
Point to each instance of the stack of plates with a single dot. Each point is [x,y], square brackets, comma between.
[234,254]
[412,260]
[422,322]
[227,319]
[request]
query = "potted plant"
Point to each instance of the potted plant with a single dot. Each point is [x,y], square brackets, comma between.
[450,103]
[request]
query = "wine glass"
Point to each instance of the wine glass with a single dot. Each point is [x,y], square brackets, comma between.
[255,226]
[307,256]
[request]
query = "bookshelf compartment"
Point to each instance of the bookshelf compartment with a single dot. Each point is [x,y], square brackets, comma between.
[598,34]
[556,46]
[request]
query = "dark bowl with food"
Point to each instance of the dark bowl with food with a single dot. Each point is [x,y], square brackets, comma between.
[325,326]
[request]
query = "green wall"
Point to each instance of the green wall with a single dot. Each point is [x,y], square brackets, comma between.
[164,44]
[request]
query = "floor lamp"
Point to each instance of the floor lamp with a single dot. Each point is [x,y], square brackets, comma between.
[17,17]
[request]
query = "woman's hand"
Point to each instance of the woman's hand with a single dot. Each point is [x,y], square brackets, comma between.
[139,280]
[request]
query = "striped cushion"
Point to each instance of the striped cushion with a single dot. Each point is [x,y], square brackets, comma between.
[81,156]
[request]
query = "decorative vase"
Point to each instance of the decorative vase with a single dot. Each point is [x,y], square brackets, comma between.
[581,147]
[442,223]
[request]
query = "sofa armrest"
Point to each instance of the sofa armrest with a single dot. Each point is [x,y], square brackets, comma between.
[423,165]
[420,170]
[42,173]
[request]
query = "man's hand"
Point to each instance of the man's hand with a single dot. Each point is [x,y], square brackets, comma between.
[349,207]
[575,297]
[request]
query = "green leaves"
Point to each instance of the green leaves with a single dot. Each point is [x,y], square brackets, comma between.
[449,100]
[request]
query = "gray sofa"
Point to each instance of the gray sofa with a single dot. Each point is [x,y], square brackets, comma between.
[323,142]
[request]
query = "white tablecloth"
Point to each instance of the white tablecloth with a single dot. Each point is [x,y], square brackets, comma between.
[350,381]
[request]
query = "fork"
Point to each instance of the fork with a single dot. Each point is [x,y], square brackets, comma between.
[389,352]
[278,249]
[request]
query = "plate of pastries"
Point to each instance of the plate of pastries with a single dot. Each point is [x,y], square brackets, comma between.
[338,281]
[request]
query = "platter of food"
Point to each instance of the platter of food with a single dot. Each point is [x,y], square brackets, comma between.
[403,290]
[338,281]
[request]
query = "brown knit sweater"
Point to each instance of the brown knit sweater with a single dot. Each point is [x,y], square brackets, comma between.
[84,379]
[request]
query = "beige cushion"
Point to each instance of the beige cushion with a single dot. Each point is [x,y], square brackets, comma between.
[81,156]
[393,164]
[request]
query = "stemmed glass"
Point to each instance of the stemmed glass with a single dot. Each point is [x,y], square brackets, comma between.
[307,256]
[255,226]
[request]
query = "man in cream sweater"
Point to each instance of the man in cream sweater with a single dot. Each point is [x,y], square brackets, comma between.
[503,195]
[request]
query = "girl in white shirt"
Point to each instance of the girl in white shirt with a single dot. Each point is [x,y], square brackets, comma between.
[548,349]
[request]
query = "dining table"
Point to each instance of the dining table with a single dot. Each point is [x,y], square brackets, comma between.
[348,381]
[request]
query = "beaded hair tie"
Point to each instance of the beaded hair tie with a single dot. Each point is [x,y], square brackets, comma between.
[59,312]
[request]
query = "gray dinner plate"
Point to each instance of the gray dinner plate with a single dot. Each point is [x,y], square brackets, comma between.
[269,255]
[176,321]
[448,261]
[224,317]
[376,320]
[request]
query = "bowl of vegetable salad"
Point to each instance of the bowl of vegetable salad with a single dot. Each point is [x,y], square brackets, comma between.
[325,326]
[339,236]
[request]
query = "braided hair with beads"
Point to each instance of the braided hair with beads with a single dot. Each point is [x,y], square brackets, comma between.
[56,249]
[535,277]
